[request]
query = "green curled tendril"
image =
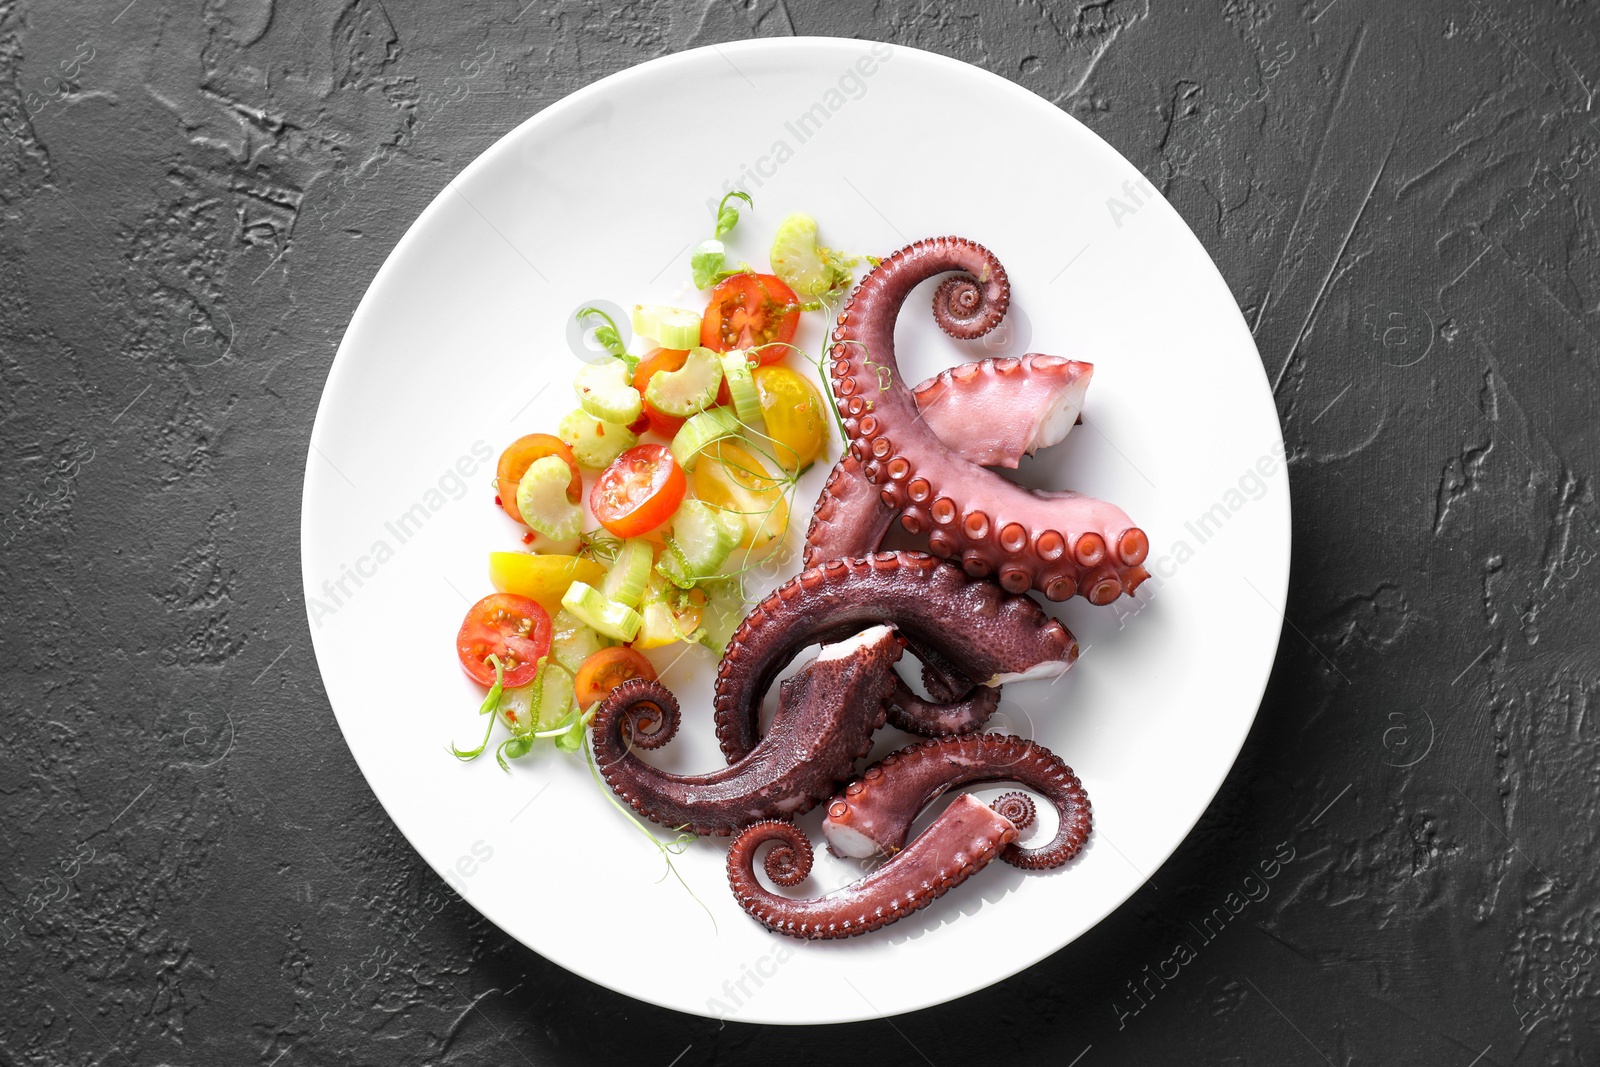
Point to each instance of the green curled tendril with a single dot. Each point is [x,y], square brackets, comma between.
[489,705]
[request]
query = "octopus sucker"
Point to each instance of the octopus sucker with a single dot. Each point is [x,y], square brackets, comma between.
[968,630]
[964,839]
[974,514]
[827,713]
[872,815]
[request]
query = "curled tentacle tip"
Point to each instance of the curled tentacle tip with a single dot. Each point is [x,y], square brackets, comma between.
[649,710]
[1018,807]
[966,307]
[786,867]
[789,861]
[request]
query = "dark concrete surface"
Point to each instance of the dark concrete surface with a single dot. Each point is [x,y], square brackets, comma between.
[193,197]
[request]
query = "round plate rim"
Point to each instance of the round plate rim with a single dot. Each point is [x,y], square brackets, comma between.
[1276,593]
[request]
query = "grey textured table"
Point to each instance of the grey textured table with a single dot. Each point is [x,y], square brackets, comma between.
[1401,197]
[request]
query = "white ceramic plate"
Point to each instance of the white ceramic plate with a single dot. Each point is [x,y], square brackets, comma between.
[462,344]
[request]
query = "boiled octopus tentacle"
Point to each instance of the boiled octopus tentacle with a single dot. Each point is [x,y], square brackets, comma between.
[988,635]
[1018,807]
[873,814]
[995,411]
[955,703]
[991,412]
[930,718]
[850,518]
[959,843]
[827,713]
[1059,543]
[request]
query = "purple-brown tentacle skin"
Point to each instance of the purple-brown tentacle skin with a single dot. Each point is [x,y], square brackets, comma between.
[873,814]
[1061,544]
[964,839]
[944,682]
[827,713]
[985,633]
[850,521]
[850,518]
[930,718]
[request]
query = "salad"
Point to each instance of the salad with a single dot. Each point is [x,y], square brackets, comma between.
[669,480]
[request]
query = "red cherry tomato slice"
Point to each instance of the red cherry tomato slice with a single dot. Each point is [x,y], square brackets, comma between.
[519,456]
[514,628]
[662,359]
[605,670]
[639,491]
[750,310]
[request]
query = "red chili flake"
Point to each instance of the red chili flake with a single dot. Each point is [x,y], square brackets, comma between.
[527,538]
[498,502]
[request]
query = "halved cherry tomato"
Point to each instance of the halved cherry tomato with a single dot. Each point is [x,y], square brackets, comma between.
[639,491]
[519,456]
[512,627]
[748,310]
[662,359]
[792,409]
[605,670]
[730,477]
[541,576]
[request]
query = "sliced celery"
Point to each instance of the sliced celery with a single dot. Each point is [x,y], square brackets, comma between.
[605,616]
[742,386]
[669,327]
[801,261]
[723,613]
[624,583]
[690,388]
[702,429]
[606,392]
[572,641]
[542,499]
[702,538]
[594,442]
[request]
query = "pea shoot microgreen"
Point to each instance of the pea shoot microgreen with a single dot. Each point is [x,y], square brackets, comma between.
[609,336]
[885,375]
[514,747]
[525,705]
[709,262]
[490,703]
[728,215]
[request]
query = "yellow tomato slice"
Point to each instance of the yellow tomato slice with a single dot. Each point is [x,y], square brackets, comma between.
[792,409]
[543,578]
[663,626]
[731,477]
